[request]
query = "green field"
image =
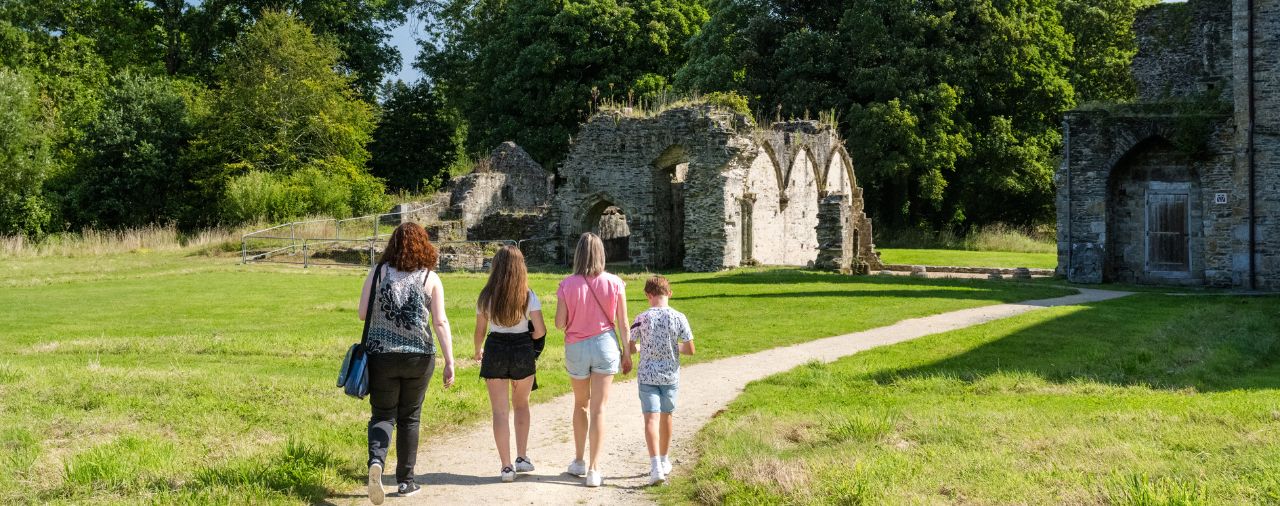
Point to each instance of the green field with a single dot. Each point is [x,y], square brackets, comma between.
[967,258]
[167,378]
[1146,400]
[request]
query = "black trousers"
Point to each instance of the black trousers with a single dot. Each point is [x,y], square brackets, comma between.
[397,385]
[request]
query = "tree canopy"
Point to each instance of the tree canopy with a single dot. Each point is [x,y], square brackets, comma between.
[524,70]
[267,109]
[281,108]
[951,108]
[417,139]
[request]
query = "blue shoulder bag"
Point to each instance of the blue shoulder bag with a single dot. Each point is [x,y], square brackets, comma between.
[353,375]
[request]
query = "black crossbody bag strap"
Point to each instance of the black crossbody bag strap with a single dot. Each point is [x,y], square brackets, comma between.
[373,296]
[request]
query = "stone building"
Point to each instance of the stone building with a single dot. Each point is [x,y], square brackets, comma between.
[509,181]
[1183,186]
[705,189]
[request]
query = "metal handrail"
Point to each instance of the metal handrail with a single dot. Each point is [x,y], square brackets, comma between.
[309,243]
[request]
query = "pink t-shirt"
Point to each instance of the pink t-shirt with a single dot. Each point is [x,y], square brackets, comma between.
[585,317]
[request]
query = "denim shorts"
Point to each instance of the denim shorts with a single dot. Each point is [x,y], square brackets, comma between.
[658,398]
[597,354]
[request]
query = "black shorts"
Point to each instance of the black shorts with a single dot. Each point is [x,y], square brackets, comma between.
[508,356]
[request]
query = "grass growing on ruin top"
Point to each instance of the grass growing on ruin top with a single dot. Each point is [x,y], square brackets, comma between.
[1149,399]
[170,377]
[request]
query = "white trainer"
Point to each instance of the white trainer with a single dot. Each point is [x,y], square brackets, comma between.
[578,468]
[594,479]
[508,474]
[666,467]
[656,476]
[376,494]
[524,465]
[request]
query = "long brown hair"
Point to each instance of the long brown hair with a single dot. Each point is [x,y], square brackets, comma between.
[505,297]
[410,249]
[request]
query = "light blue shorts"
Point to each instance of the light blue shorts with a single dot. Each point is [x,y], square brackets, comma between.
[597,354]
[658,398]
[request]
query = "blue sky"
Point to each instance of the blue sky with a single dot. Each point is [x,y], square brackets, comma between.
[404,37]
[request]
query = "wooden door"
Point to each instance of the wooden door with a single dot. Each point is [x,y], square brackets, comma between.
[1168,237]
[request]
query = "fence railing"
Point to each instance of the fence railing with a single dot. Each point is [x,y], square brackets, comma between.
[291,238]
[454,255]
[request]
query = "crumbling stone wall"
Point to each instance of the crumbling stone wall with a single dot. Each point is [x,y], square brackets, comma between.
[707,185]
[1187,51]
[1184,50]
[511,181]
[1101,196]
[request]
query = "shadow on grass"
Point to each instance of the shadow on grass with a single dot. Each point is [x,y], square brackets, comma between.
[1159,341]
[987,295]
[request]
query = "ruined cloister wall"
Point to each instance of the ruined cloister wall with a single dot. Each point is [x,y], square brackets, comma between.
[749,195]
[612,161]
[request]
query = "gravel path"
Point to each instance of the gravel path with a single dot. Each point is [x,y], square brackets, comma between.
[465,467]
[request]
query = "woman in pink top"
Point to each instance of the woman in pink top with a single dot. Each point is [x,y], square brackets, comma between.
[590,304]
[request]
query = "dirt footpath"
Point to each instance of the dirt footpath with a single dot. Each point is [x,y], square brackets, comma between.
[464,468]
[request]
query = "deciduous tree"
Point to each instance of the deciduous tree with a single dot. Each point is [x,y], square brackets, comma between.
[524,70]
[25,158]
[418,138]
[284,105]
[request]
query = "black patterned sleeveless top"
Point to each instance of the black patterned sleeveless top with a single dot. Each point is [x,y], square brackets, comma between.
[401,320]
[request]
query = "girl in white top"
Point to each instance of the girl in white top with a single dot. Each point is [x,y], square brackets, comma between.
[512,314]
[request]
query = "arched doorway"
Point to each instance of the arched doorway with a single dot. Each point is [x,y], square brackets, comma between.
[671,170]
[1153,206]
[609,221]
[613,230]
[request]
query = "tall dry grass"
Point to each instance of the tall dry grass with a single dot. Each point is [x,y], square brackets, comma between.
[105,242]
[997,237]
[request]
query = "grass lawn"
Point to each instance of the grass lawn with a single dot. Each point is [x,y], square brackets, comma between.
[1146,400]
[966,258]
[160,377]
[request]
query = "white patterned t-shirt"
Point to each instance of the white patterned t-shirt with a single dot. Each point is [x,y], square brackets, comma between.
[659,332]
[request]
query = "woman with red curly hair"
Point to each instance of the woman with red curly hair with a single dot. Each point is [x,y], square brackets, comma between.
[408,304]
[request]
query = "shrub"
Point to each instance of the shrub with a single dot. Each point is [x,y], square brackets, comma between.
[729,100]
[25,157]
[266,197]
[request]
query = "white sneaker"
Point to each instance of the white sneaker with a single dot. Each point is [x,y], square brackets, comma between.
[594,479]
[508,474]
[578,468]
[666,467]
[656,476]
[523,465]
[376,494]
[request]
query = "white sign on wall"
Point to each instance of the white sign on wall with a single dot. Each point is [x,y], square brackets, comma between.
[1219,198]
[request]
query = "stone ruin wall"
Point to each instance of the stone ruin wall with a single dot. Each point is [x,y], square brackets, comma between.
[1266,135]
[621,161]
[1185,51]
[743,187]
[689,188]
[512,182]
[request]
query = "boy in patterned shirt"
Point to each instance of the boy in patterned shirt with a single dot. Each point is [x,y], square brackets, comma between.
[660,334]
